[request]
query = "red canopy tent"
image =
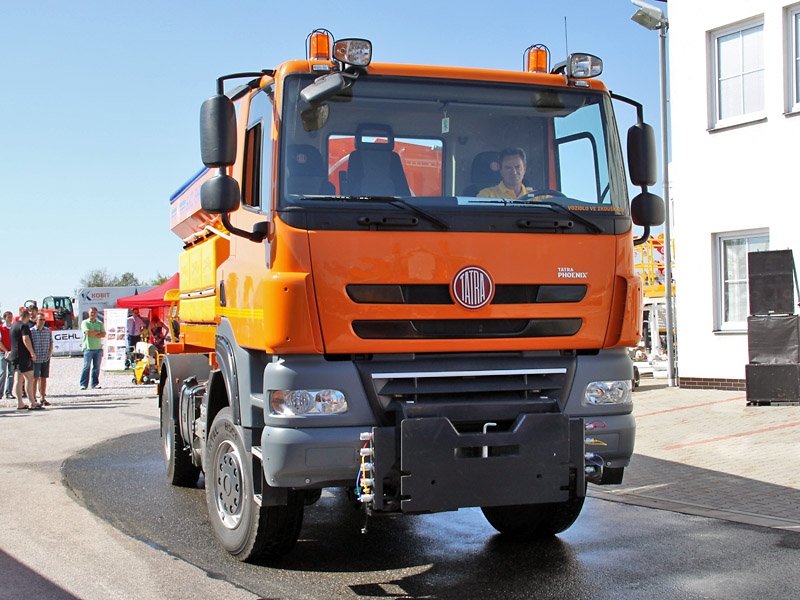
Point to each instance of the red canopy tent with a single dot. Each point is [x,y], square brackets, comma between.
[152,298]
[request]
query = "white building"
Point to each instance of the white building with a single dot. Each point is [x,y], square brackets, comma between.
[735,123]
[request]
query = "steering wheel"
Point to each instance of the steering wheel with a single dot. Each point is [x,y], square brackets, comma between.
[544,192]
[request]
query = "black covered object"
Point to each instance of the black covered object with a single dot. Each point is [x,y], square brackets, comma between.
[772,383]
[773,339]
[771,282]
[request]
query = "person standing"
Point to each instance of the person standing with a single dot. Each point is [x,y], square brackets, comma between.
[42,339]
[6,368]
[22,356]
[93,334]
[135,325]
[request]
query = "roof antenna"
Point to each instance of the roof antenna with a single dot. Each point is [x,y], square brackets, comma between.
[566,37]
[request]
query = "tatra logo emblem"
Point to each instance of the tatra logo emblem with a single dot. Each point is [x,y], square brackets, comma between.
[472,287]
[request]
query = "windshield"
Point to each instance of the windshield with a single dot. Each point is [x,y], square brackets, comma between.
[444,143]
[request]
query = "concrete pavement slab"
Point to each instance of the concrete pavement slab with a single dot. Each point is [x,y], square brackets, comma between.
[706,452]
[52,547]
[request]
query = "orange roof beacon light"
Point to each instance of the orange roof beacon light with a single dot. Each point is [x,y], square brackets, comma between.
[319,44]
[536,59]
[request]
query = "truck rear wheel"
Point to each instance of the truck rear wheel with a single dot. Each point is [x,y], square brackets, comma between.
[530,521]
[177,458]
[245,529]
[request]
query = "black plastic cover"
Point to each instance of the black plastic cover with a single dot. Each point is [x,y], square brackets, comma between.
[218,132]
[770,275]
[443,469]
[220,194]
[642,154]
[773,339]
[773,383]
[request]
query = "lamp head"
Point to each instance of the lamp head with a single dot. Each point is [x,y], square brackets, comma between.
[648,16]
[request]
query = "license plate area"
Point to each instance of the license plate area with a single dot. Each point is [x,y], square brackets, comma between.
[442,469]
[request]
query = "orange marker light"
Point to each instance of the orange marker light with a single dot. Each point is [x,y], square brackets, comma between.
[319,44]
[537,59]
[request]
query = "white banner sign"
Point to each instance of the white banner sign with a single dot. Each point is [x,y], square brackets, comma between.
[67,342]
[116,340]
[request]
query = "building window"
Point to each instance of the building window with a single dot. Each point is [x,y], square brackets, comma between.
[738,74]
[732,292]
[794,54]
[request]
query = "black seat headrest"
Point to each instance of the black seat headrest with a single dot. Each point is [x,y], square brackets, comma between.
[376,130]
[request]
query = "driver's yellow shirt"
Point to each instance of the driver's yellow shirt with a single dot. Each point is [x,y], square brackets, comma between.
[501,191]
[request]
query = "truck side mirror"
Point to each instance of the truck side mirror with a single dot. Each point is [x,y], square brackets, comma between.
[220,195]
[642,154]
[323,88]
[647,209]
[218,132]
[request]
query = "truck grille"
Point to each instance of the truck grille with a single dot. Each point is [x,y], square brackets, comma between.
[490,385]
[465,328]
[440,294]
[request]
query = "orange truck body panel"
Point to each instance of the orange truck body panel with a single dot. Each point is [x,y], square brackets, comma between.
[297,309]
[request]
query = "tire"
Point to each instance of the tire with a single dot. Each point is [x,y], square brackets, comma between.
[245,529]
[177,458]
[533,521]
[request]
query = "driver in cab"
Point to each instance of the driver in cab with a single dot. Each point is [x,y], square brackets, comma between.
[512,171]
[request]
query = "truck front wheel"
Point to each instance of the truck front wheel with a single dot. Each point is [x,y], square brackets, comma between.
[245,529]
[177,457]
[530,521]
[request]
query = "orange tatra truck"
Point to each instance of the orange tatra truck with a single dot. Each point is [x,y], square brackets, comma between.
[369,299]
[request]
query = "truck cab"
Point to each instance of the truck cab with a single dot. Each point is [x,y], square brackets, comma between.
[362,307]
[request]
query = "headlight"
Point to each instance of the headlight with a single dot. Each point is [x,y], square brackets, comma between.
[607,392]
[307,402]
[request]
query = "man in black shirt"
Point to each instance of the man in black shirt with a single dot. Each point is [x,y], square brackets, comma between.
[22,357]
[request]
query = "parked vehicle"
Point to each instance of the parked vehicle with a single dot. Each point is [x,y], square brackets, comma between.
[353,314]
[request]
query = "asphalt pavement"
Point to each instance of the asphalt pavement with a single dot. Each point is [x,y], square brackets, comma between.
[700,452]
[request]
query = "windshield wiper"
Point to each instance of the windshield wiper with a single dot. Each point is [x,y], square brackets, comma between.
[393,200]
[556,207]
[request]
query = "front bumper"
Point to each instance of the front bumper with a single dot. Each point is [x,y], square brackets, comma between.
[424,454]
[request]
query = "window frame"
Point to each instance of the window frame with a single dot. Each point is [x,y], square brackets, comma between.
[719,241]
[259,153]
[715,120]
[792,57]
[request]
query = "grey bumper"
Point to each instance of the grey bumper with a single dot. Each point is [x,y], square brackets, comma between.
[312,457]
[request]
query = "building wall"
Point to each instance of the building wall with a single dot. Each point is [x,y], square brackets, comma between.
[725,180]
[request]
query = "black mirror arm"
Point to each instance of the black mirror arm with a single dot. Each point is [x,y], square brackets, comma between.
[637,105]
[645,236]
[256,74]
[257,235]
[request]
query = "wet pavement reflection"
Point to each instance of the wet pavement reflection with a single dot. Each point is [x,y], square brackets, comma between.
[613,550]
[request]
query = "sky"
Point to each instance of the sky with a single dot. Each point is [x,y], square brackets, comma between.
[99,103]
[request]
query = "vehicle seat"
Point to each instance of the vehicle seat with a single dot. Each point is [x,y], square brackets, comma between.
[485,172]
[374,168]
[307,173]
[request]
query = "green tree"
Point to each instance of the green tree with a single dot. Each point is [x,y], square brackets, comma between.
[102,278]
[158,279]
[96,278]
[126,278]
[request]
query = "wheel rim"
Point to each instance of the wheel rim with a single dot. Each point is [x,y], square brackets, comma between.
[228,484]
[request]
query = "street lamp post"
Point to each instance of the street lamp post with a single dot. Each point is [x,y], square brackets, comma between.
[652,18]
